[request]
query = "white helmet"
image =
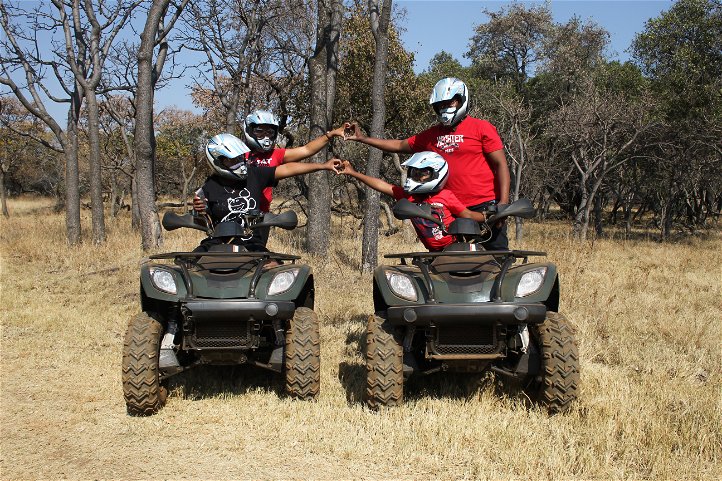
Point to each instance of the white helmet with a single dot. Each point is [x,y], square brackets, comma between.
[419,166]
[261,117]
[227,146]
[446,89]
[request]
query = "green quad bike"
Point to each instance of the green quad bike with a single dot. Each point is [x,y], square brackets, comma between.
[469,310]
[221,307]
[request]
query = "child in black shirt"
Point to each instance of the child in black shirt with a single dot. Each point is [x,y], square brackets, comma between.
[235,189]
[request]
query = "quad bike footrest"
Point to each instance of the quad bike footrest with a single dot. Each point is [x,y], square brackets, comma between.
[486,313]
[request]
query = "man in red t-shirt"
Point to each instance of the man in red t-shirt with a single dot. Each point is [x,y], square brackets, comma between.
[426,176]
[261,131]
[478,172]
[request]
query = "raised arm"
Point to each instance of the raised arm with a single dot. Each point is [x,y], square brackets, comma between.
[298,168]
[376,184]
[353,132]
[313,147]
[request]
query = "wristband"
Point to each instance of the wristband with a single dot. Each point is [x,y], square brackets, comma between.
[327,137]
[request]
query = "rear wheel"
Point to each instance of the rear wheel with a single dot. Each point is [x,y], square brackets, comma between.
[557,384]
[384,366]
[303,355]
[141,384]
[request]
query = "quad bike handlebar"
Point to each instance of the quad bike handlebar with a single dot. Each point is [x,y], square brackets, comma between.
[465,229]
[405,209]
[287,220]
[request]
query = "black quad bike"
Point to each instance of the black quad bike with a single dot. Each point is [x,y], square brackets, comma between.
[469,310]
[222,307]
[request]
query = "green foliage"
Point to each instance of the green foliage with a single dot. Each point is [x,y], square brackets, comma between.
[511,43]
[680,51]
[406,109]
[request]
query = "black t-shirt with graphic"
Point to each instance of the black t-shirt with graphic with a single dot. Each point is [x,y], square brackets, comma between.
[228,200]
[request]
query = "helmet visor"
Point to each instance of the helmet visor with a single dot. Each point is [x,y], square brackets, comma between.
[422,175]
[263,131]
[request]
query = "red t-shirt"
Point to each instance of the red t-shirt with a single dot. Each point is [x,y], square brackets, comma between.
[444,205]
[272,158]
[464,149]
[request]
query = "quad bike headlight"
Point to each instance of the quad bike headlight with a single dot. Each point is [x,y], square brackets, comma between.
[282,281]
[531,281]
[163,280]
[402,285]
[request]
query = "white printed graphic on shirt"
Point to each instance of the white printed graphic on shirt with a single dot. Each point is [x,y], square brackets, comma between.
[449,143]
[238,206]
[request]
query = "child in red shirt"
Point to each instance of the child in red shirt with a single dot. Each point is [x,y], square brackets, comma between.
[426,176]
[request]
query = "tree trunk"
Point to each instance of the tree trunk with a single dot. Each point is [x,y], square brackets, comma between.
[72,175]
[369,256]
[3,195]
[322,73]
[151,235]
[135,211]
[96,178]
[598,216]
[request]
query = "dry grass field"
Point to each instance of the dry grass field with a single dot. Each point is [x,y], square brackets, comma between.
[647,317]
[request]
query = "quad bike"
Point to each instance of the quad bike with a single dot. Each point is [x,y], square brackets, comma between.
[222,307]
[469,310]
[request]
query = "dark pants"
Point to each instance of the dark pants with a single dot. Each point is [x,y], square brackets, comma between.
[498,240]
[252,245]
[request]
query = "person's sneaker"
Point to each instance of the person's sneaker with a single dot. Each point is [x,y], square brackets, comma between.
[276,359]
[410,364]
[167,360]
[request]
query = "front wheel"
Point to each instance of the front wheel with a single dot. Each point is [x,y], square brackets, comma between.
[557,384]
[384,366]
[303,355]
[141,382]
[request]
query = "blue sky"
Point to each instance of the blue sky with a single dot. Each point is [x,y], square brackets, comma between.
[431,26]
[436,25]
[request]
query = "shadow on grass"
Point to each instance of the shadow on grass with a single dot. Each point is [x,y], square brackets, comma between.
[209,381]
[353,379]
[345,259]
[447,385]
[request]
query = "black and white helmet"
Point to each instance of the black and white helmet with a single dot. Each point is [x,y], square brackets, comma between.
[446,89]
[226,146]
[261,141]
[426,173]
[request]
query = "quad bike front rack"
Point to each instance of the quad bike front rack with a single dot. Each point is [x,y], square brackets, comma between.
[422,260]
[188,259]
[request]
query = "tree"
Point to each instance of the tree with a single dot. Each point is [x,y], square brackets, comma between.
[21,57]
[511,43]
[322,75]
[679,51]
[153,35]
[598,130]
[380,17]
[87,44]
[180,143]
[25,164]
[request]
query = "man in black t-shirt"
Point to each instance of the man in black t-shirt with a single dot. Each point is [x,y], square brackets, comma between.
[235,189]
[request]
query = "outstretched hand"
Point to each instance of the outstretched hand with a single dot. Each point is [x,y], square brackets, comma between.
[199,205]
[352,131]
[345,167]
[333,165]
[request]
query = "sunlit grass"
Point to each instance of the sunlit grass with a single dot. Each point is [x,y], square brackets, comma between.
[647,317]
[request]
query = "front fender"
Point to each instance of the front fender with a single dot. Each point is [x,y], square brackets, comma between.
[151,291]
[385,297]
[301,291]
[545,293]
